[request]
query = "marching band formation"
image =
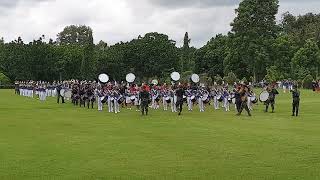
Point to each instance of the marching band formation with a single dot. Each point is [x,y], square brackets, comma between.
[170,97]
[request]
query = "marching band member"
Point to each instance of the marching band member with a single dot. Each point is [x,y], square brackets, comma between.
[200,94]
[117,96]
[110,99]
[153,98]
[180,93]
[59,88]
[42,92]
[137,100]
[128,94]
[295,100]
[164,94]
[54,92]
[251,100]
[226,96]
[189,98]
[144,96]
[99,95]
[172,99]
[243,92]
[217,96]
[272,96]
[82,94]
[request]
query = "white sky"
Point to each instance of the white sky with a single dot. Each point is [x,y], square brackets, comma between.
[122,20]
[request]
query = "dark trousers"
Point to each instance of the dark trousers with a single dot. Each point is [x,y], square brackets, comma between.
[179,105]
[62,98]
[270,102]
[244,106]
[144,107]
[295,108]
[238,105]
[90,100]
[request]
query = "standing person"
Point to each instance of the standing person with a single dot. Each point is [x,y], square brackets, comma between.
[244,98]
[179,93]
[272,96]
[59,88]
[99,94]
[117,96]
[226,96]
[295,101]
[144,97]
[155,97]
[137,99]
[237,97]
[200,94]
[172,99]
[165,97]
[110,99]
[189,99]
[42,92]
[16,87]
[216,99]
[128,94]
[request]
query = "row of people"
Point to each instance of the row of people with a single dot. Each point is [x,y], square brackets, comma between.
[86,94]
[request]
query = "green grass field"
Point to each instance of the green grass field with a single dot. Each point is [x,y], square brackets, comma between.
[44,140]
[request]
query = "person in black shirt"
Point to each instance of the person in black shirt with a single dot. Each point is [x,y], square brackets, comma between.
[59,88]
[145,98]
[237,97]
[243,92]
[272,96]
[295,101]
[179,93]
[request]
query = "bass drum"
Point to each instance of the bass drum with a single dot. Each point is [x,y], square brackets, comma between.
[253,99]
[120,100]
[132,98]
[264,96]
[206,99]
[193,98]
[62,91]
[168,100]
[68,94]
[104,99]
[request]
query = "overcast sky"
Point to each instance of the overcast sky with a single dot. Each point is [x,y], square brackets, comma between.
[122,20]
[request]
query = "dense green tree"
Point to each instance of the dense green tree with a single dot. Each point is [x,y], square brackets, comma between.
[307,59]
[186,55]
[75,34]
[230,78]
[209,59]
[4,80]
[254,30]
[302,28]
[256,48]
[283,50]
[273,74]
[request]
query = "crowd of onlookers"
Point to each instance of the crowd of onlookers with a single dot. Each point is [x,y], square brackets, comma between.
[287,85]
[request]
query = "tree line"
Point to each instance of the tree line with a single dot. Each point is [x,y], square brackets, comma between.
[256,48]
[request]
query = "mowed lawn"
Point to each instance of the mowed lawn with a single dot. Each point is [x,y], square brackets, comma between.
[44,140]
